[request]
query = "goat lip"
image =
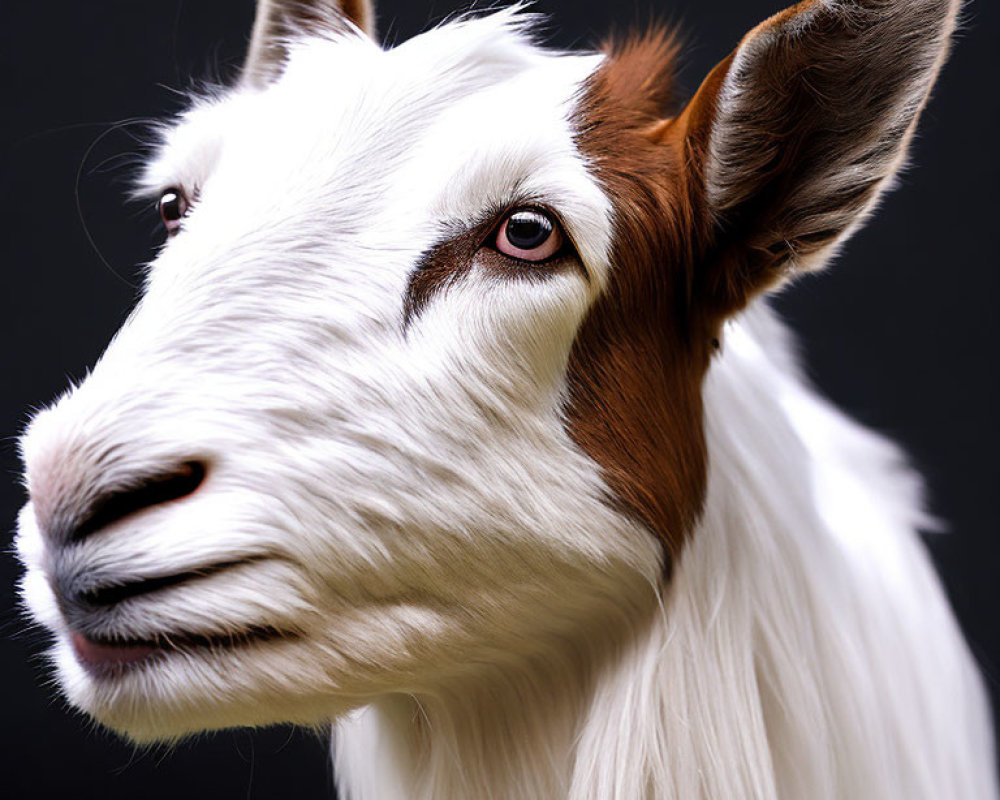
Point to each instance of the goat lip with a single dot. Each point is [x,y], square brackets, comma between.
[110,659]
[107,657]
[106,596]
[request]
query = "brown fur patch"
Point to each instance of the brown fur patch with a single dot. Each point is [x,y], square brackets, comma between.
[781,152]
[637,365]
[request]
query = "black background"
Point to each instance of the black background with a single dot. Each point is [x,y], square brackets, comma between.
[902,332]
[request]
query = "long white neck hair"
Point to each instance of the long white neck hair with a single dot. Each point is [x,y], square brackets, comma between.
[802,647]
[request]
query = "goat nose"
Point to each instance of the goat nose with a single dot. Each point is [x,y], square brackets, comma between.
[150,491]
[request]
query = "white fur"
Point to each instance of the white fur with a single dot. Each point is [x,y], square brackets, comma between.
[804,648]
[472,613]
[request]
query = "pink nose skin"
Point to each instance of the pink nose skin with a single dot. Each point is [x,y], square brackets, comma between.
[109,656]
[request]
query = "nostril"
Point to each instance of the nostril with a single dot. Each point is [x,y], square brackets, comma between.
[152,491]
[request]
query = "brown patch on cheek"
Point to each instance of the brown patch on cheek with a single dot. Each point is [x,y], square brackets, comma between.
[637,366]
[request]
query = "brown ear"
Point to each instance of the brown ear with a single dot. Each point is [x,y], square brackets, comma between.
[795,136]
[278,21]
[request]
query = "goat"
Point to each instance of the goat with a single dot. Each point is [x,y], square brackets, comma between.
[454,416]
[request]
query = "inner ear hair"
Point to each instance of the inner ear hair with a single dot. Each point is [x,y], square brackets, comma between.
[797,134]
[279,21]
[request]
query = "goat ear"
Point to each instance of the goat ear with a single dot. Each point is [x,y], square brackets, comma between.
[795,135]
[278,21]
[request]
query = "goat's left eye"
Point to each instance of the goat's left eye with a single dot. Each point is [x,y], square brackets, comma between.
[173,208]
[529,235]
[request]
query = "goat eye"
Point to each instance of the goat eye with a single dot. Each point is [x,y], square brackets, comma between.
[529,235]
[173,207]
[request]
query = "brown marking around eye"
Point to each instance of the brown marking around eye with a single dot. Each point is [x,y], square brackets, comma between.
[441,266]
[449,261]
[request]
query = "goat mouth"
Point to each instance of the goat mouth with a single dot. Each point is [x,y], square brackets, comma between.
[110,658]
[112,655]
[105,657]
[113,594]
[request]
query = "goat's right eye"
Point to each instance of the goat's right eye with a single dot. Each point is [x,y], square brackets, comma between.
[173,207]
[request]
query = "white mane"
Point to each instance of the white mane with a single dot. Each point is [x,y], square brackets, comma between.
[773,669]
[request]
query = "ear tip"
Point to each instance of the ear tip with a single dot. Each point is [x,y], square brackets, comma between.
[806,126]
[278,21]
[362,14]
[860,14]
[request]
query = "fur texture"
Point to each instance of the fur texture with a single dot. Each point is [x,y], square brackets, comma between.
[404,529]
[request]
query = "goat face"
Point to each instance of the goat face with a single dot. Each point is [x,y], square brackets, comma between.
[370,387]
[372,428]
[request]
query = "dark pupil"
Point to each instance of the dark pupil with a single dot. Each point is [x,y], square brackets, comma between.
[170,206]
[527,230]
